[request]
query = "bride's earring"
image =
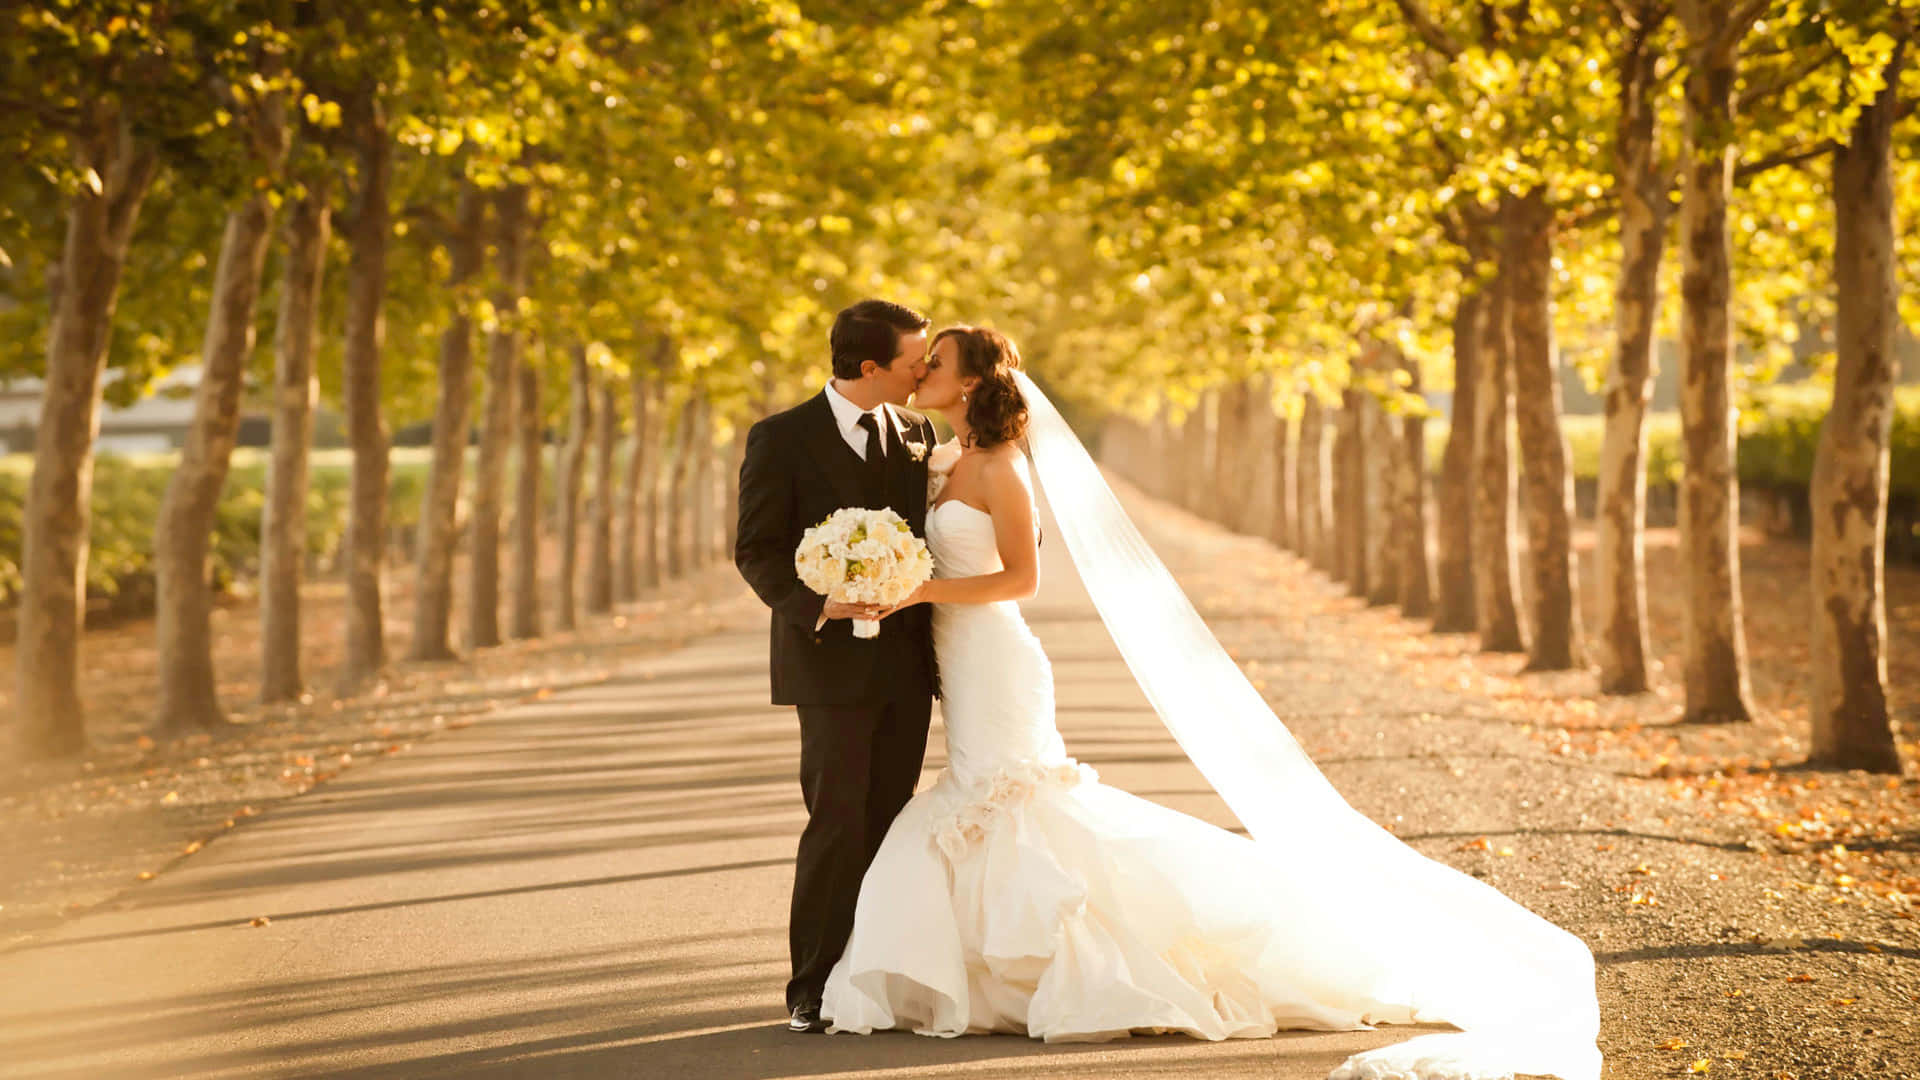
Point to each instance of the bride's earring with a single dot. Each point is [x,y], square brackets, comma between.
[963,395]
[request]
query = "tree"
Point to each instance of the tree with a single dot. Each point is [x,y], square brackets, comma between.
[606,434]
[283,521]
[1495,568]
[106,162]
[102,211]
[368,233]
[503,349]
[524,612]
[581,423]
[1414,576]
[1643,175]
[189,699]
[433,592]
[1715,640]
[1554,643]
[633,546]
[1454,610]
[1851,720]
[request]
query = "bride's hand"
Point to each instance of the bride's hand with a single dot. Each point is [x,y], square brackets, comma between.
[917,596]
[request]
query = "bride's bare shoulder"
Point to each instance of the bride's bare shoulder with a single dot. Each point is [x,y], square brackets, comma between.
[1007,464]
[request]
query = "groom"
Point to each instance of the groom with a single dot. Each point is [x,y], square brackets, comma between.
[863,704]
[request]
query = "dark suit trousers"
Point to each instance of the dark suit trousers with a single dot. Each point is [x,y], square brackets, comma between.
[858,767]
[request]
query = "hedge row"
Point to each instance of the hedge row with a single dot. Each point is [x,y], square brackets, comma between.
[1777,440]
[126,504]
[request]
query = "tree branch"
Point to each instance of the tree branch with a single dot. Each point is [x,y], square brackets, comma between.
[1431,32]
[1785,158]
[1738,23]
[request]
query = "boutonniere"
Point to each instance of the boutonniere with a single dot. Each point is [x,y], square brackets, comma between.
[918,450]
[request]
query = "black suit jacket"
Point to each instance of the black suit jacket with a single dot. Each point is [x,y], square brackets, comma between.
[798,470]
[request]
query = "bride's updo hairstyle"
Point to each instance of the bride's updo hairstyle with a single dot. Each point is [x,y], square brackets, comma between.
[995,410]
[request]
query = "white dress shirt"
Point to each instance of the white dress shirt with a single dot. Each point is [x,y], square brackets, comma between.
[847,415]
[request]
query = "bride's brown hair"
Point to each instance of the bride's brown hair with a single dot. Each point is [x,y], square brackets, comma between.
[996,411]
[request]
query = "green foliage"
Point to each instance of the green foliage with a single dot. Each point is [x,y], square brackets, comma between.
[1780,433]
[126,503]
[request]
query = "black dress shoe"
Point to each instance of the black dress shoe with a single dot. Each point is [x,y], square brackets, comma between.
[806,1020]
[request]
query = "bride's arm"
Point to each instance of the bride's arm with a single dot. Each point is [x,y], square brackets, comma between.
[1010,500]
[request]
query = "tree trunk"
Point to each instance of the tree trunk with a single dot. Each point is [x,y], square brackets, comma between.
[673,561]
[1621,647]
[1163,442]
[700,513]
[1350,492]
[655,504]
[581,425]
[1197,496]
[1286,496]
[600,547]
[366,537]
[1495,572]
[523,615]
[1231,468]
[1382,446]
[1715,636]
[1316,472]
[1337,543]
[503,347]
[182,536]
[1852,725]
[635,502]
[1415,574]
[1555,643]
[57,514]
[283,520]
[730,478]
[439,510]
[1454,609]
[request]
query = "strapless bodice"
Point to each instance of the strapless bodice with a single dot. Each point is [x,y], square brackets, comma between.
[996,689]
[962,541]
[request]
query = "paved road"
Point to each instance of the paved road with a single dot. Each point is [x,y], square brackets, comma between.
[594,884]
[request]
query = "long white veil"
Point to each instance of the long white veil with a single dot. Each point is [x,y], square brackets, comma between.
[1454,949]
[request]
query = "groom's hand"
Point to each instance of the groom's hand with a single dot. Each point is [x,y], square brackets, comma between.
[835,609]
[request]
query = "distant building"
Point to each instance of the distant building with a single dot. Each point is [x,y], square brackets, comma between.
[157,422]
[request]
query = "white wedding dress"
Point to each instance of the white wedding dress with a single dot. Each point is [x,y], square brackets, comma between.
[1020,894]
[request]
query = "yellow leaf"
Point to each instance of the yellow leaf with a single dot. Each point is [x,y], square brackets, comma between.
[1700,1065]
[146,875]
[1674,1043]
[259,920]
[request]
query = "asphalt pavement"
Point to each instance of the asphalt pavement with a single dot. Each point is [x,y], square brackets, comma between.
[594,884]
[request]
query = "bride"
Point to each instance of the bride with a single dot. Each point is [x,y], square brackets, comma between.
[1020,894]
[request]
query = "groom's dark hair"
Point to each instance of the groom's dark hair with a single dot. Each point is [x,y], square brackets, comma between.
[871,330]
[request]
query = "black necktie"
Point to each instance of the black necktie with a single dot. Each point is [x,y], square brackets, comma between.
[874,458]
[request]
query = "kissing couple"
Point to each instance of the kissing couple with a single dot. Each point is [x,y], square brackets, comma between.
[1017,893]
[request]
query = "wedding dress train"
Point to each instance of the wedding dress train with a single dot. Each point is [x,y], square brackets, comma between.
[1020,894]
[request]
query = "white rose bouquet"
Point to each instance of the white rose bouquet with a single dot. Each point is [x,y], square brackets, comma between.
[861,556]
